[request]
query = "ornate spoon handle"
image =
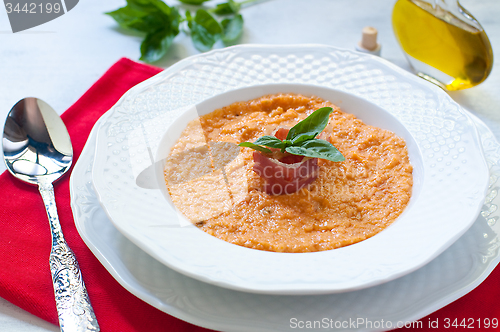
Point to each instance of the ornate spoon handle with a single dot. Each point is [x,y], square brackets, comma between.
[72,301]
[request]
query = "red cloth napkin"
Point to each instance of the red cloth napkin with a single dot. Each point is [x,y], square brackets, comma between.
[25,240]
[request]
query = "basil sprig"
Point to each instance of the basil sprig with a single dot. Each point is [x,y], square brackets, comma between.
[301,139]
[156,19]
[205,30]
[161,23]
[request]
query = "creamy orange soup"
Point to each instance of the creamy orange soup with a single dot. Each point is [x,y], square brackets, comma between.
[211,180]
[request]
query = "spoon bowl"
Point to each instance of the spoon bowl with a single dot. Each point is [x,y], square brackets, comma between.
[34,151]
[37,149]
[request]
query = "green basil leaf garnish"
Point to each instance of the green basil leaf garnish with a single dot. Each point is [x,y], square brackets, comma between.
[255,147]
[316,148]
[156,44]
[232,29]
[130,18]
[312,125]
[226,8]
[189,18]
[301,139]
[153,17]
[160,24]
[270,141]
[205,30]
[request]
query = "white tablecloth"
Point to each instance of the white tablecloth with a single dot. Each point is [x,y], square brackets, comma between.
[58,61]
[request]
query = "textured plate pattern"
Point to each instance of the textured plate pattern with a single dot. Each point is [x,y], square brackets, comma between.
[452,274]
[453,185]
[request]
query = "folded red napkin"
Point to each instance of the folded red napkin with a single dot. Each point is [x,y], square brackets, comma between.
[25,240]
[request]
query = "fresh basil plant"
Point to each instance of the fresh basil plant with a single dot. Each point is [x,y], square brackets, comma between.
[161,24]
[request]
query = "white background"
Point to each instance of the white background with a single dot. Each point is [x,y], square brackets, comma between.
[58,61]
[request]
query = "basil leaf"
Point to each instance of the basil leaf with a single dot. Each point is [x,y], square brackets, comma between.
[156,45]
[205,30]
[303,137]
[129,18]
[312,125]
[155,14]
[143,16]
[189,18]
[150,5]
[255,147]
[232,28]
[316,148]
[226,8]
[159,21]
[270,141]
[193,2]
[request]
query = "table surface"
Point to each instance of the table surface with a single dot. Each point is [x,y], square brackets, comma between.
[58,61]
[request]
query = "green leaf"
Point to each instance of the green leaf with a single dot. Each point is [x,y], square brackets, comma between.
[311,126]
[175,20]
[302,142]
[303,137]
[159,21]
[316,148]
[255,147]
[148,5]
[226,8]
[232,28]
[202,40]
[155,14]
[205,30]
[189,18]
[270,141]
[193,2]
[156,45]
[129,18]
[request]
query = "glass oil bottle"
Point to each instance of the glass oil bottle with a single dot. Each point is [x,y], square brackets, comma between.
[443,42]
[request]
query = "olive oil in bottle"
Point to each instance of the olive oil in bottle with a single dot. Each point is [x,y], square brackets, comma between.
[446,46]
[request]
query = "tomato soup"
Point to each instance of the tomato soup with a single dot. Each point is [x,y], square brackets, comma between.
[211,181]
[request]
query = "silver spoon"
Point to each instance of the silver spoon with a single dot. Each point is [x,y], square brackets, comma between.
[37,149]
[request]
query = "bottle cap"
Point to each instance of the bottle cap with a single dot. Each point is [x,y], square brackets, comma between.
[368,43]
